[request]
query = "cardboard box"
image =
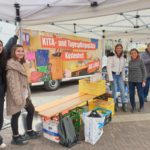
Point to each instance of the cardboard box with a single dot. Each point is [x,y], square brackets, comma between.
[50,130]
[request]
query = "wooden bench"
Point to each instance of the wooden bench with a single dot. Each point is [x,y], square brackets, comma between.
[55,107]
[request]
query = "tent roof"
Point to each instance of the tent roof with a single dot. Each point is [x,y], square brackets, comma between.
[66,16]
[133,26]
[33,12]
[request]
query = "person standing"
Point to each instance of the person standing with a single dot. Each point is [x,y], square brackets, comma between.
[146,59]
[2,88]
[4,55]
[18,96]
[115,70]
[136,78]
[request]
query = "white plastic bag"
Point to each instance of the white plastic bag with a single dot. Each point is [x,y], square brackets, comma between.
[93,128]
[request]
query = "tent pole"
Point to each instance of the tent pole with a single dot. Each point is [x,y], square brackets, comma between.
[103,46]
[19,30]
[18,22]
[103,43]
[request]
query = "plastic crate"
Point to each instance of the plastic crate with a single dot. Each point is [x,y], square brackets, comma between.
[107,104]
[106,113]
[93,88]
[76,118]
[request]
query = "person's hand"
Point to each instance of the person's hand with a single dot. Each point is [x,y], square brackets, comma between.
[125,83]
[17,31]
[143,84]
[110,82]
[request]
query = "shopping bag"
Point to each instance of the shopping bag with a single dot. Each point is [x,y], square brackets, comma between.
[93,126]
[66,131]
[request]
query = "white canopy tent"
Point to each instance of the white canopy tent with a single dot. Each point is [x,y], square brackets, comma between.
[82,17]
[45,11]
[131,26]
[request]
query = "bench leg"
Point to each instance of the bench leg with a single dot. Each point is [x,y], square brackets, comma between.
[87,103]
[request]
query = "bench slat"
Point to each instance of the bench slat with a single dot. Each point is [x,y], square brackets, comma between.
[54,103]
[66,106]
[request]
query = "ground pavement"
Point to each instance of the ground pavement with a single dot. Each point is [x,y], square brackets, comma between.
[127,131]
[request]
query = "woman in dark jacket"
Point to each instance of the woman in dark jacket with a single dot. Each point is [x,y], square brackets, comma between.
[2,87]
[4,55]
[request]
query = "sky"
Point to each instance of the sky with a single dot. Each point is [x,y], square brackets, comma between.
[6,31]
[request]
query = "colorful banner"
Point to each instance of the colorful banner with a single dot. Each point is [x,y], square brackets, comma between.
[59,56]
[92,66]
[36,76]
[64,43]
[95,41]
[26,38]
[30,56]
[43,69]
[74,56]
[42,57]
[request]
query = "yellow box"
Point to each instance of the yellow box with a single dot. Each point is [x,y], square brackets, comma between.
[91,105]
[110,99]
[94,88]
[108,105]
[102,104]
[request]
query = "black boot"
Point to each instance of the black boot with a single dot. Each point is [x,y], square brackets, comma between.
[133,110]
[32,135]
[141,109]
[124,107]
[19,140]
[145,100]
[116,107]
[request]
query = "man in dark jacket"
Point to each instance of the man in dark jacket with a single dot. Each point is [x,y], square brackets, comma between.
[5,53]
[146,58]
[11,42]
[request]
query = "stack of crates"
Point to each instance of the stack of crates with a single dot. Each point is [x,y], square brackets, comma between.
[75,115]
[107,104]
[106,113]
[94,88]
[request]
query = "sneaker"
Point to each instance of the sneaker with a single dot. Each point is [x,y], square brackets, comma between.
[133,110]
[141,109]
[3,145]
[32,134]
[124,107]
[19,140]
[145,100]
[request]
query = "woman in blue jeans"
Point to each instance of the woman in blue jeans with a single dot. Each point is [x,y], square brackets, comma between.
[115,69]
[137,78]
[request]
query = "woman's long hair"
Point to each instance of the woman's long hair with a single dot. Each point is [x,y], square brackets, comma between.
[13,55]
[119,45]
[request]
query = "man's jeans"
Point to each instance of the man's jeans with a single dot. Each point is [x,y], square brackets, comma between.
[118,84]
[146,88]
[139,87]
